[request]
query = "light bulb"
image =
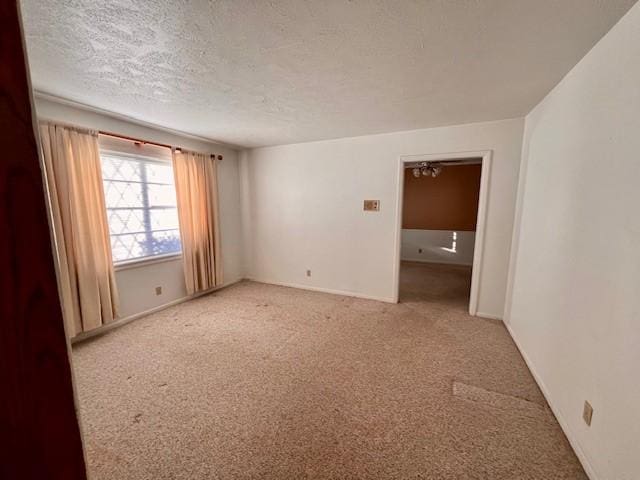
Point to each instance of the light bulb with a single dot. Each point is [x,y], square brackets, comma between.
[416,172]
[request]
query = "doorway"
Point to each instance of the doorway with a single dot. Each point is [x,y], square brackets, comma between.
[440,229]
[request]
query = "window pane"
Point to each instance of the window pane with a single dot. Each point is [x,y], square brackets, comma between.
[160,173]
[141,206]
[161,195]
[126,247]
[138,245]
[123,194]
[163,242]
[164,219]
[126,221]
[120,168]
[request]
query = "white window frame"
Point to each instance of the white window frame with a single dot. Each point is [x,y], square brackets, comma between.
[125,148]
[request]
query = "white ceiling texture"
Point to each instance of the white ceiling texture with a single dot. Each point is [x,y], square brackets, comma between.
[257,72]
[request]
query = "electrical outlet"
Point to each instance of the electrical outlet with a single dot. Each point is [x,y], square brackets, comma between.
[371,205]
[308,273]
[158,290]
[419,250]
[587,413]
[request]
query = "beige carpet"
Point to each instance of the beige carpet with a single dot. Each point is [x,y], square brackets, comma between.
[259,381]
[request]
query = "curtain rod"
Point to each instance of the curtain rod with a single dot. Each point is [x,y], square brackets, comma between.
[138,140]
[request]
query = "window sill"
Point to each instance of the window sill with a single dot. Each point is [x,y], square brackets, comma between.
[143,262]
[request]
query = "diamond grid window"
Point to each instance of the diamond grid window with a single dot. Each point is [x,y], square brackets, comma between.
[141,206]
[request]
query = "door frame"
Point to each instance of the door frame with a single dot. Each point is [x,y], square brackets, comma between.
[483,203]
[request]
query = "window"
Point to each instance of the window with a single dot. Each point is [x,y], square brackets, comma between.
[141,205]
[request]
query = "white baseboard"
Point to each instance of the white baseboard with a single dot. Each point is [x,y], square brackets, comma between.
[588,468]
[344,293]
[123,321]
[490,316]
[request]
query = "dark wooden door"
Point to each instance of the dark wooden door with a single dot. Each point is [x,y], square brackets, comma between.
[39,433]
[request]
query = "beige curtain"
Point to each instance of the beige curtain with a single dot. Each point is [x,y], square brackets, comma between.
[197,196]
[74,181]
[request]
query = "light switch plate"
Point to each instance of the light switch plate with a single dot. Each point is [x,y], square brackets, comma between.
[371,205]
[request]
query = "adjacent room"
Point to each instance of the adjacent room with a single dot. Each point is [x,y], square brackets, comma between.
[344,239]
[439,220]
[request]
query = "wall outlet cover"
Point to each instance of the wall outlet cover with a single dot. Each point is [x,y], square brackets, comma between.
[158,290]
[371,205]
[308,273]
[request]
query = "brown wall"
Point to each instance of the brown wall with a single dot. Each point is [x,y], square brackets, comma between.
[446,202]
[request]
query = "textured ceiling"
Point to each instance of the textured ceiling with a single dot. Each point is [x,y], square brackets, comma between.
[261,72]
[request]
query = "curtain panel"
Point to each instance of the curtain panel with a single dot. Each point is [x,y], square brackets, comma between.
[79,219]
[195,179]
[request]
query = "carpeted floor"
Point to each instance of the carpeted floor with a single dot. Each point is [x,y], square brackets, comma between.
[259,381]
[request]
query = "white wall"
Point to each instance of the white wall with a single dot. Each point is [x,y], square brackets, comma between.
[438,246]
[137,285]
[575,304]
[303,205]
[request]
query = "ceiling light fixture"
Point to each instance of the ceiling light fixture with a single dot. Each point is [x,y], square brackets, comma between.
[426,169]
